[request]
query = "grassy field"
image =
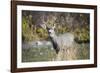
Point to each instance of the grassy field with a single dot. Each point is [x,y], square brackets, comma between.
[38,54]
[48,54]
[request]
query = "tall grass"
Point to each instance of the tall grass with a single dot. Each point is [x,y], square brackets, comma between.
[74,52]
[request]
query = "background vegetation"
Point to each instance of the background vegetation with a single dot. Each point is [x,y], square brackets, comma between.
[78,23]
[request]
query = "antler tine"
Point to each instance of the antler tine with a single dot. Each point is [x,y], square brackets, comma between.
[54,25]
[44,24]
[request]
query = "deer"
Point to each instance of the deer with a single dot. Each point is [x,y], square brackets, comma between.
[65,45]
[61,41]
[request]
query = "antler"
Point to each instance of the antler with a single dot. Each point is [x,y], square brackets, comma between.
[47,22]
[54,25]
[44,24]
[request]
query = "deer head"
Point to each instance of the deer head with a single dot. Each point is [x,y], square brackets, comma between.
[50,29]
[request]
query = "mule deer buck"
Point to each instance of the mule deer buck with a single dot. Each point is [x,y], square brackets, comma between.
[61,41]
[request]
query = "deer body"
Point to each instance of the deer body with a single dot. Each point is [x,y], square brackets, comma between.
[61,41]
[65,39]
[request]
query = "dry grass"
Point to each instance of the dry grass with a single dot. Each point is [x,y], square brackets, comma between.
[73,52]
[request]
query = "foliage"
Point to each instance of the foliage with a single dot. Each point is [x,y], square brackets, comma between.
[29,33]
[82,35]
[77,23]
[26,30]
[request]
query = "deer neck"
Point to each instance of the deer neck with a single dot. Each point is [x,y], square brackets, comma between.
[53,37]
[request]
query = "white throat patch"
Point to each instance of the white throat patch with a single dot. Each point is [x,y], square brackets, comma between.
[52,35]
